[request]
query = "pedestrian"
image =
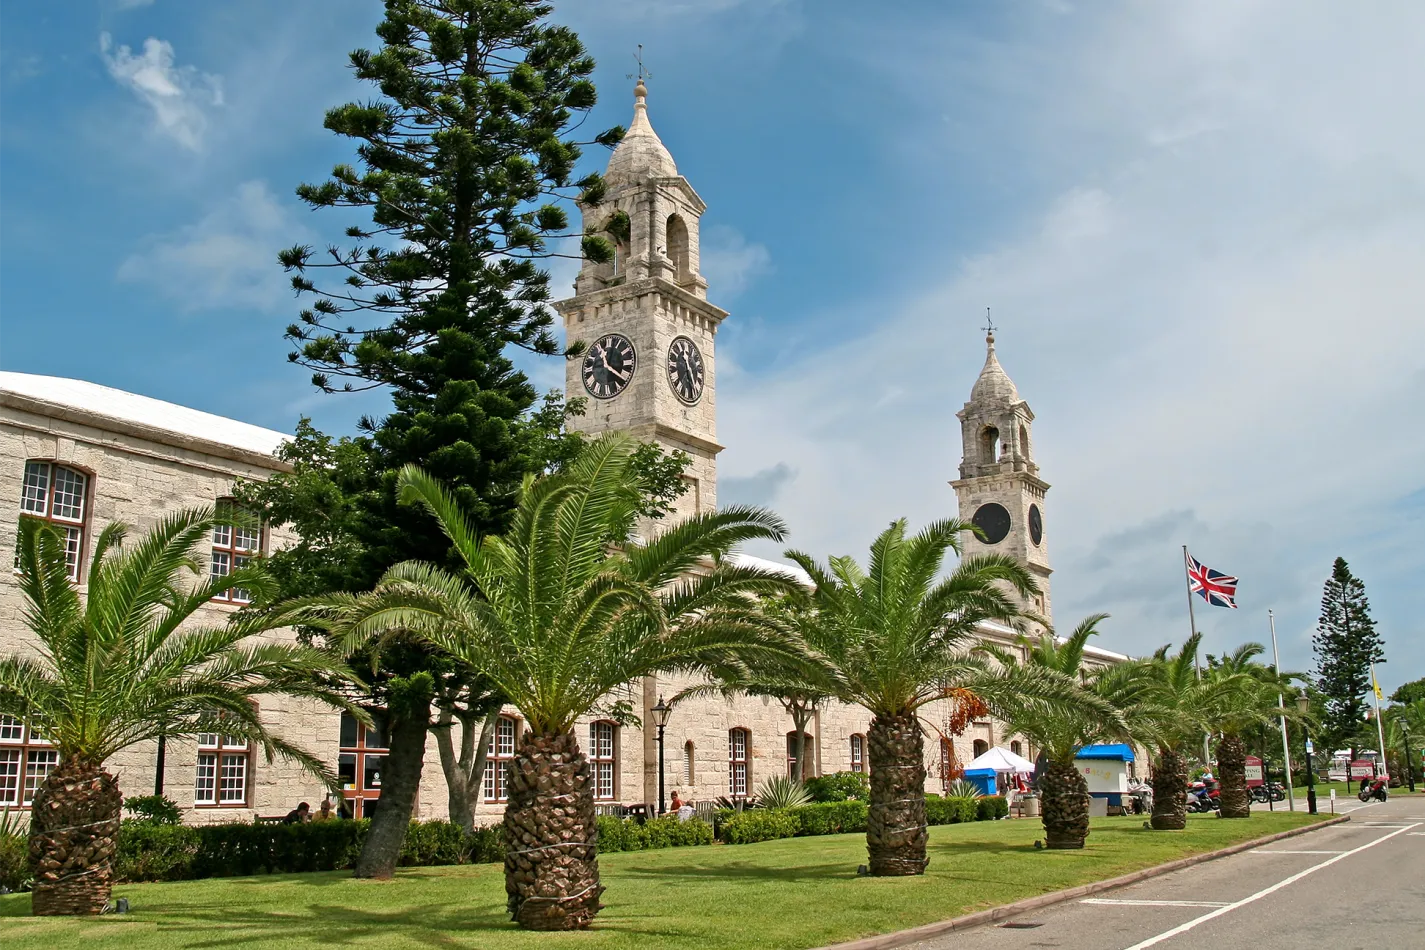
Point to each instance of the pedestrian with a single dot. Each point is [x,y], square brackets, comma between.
[299,815]
[325,812]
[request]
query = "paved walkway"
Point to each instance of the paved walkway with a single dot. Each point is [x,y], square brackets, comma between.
[1356,885]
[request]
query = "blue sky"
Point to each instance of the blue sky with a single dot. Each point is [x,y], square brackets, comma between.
[1199,226]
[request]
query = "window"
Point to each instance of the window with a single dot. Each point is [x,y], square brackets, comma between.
[737,763]
[361,761]
[810,746]
[858,753]
[677,234]
[981,747]
[233,546]
[689,764]
[221,778]
[1024,441]
[949,768]
[601,759]
[989,444]
[58,495]
[25,762]
[497,761]
[1015,747]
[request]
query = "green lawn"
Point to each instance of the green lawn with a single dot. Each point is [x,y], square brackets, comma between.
[798,893]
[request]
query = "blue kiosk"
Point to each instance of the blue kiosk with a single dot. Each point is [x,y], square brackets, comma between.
[1105,769]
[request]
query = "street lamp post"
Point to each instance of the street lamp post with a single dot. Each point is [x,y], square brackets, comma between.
[1409,765]
[661,712]
[1303,706]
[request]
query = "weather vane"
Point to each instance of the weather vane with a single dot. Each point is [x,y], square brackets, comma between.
[989,326]
[642,72]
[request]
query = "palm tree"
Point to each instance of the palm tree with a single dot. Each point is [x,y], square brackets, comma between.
[897,639]
[558,613]
[1245,694]
[1109,704]
[122,666]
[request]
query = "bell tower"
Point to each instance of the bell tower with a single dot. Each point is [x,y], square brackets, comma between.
[999,487]
[648,368]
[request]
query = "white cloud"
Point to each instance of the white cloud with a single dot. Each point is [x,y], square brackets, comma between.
[729,262]
[1215,320]
[180,96]
[226,259]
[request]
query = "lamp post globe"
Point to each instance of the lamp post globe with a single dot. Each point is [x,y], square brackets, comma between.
[661,712]
[1303,706]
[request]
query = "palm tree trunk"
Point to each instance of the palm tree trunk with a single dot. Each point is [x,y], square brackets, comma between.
[551,838]
[408,723]
[1170,774]
[1232,773]
[74,828]
[895,828]
[1066,806]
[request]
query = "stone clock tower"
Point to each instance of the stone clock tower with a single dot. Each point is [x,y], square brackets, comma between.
[999,487]
[644,317]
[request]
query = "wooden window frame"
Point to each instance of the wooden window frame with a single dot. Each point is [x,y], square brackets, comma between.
[792,754]
[603,759]
[225,545]
[224,751]
[21,772]
[494,785]
[365,754]
[858,752]
[74,542]
[739,762]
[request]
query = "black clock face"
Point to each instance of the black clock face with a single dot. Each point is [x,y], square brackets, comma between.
[609,366]
[993,520]
[685,369]
[1036,524]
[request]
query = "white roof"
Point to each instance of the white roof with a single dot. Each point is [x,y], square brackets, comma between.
[1001,760]
[143,410]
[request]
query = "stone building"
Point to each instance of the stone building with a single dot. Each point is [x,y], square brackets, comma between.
[84,455]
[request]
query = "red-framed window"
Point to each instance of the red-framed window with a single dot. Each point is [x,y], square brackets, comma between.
[233,546]
[792,754]
[602,748]
[25,762]
[223,775]
[858,753]
[497,760]
[738,764]
[60,495]
[361,761]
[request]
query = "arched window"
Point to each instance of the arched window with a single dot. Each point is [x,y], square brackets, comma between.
[989,444]
[809,745]
[497,760]
[1015,747]
[981,747]
[601,759]
[25,762]
[678,248]
[1024,441]
[858,753]
[738,764]
[58,494]
[690,772]
[234,545]
[360,763]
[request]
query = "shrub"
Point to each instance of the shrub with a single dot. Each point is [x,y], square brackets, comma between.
[782,792]
[762,824]
[14,851]
[949,811]
[158,809]
[962,788]
[486,845]
[831,818]
[156,851]
[626,834]
[991,807]
[434,843]
[840,787]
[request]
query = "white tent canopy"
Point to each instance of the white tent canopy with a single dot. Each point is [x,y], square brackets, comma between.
[1001,760]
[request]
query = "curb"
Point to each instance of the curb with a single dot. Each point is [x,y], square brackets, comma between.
[902,938]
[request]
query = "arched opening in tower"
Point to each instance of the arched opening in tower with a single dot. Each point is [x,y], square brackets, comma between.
[678,248]
[989,445]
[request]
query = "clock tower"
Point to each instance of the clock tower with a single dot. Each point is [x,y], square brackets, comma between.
[999,487]
[648,368]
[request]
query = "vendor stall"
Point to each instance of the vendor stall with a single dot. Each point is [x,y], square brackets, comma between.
[1105,769]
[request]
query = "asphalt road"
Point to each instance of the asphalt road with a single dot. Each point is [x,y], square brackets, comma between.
[1356,885]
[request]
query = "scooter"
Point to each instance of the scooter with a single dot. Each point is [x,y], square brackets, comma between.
[1376,790]
[1202,799]
[1270,792]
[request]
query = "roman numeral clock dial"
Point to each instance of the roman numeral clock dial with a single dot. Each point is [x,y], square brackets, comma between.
[608,366]
[685,369]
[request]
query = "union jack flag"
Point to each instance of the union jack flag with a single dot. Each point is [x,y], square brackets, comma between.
[1217,588]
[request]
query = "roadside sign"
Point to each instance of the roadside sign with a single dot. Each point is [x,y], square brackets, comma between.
[1363,768]
[1310,749]
[1254,772]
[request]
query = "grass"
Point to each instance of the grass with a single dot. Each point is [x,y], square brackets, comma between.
[797,893]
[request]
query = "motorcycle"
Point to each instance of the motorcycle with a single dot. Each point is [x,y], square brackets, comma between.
[1376,790]
[1268,792]
[1204,798]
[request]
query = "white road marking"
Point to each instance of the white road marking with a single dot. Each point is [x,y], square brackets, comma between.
[1260,851]
[1104,900]
[1264,892]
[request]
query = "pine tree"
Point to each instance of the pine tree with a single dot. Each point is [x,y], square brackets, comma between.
[1346,644]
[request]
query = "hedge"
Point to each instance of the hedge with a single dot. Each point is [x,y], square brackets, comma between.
[758,824]
[626,834]
[831,818]
[991,808]
[950,811]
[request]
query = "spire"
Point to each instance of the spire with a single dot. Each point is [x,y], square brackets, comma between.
[994,387]
[641,154]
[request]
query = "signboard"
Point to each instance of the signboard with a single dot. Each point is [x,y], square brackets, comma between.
[1310,748]
[1362,768]
[1254,772]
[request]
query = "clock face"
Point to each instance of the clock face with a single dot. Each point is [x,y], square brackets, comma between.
[685,369]
[608,366]
[1036,524]
[993,520]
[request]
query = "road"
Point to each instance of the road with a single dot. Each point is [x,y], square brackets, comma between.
[1356,885]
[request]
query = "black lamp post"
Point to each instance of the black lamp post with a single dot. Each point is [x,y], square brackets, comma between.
[1303,706]
[1409,765]
[661,712]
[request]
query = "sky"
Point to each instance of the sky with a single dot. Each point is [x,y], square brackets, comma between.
[1199,228]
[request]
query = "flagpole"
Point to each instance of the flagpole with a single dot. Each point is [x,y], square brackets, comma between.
[1380,724]
[1286,750]
[1192,622]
